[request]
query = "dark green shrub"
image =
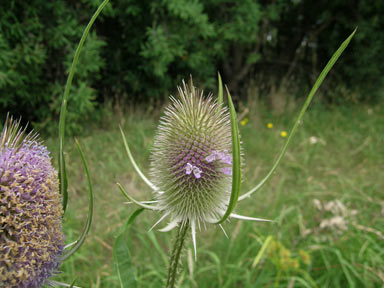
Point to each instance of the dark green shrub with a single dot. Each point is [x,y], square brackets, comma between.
[140,50]
[37,43]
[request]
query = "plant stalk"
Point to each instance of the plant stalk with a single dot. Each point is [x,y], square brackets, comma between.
[175,256]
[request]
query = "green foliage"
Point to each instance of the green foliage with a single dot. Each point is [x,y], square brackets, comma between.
[144,48]
[37,42]
[312,30]
[322,165]
[122,255]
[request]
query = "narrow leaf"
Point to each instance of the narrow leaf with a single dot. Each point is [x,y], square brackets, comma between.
[145,179]
[262,251]
[122,256]
[220,91]
[318,82]
[73,284]
[87,226]
[62,171]
[236,163]
[142,205]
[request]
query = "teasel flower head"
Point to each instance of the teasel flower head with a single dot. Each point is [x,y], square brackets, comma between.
[191,163]
[191,160]
[31,237]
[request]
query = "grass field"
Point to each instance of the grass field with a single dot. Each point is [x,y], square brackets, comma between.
[326,198]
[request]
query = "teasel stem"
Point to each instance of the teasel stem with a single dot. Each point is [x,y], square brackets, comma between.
[175,256]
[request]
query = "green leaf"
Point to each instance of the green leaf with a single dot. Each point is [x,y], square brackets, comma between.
[73,284]
[62,171]
[220,91]
[318,82]
[88,224]
[141,174]
[262,251]
[122,255]
[236,161]
[130,198]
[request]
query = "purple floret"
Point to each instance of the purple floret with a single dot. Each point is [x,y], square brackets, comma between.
[31,237]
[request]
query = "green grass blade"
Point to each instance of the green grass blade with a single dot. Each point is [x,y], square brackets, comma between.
[156,244]
[318,82]
[88,224]
[141,174]
[262,251]
[73,284]
[122,256]
[62,171]
[236,161]
[220,91]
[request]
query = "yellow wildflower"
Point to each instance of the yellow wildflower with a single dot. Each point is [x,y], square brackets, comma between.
[283,134]
[244,121]
[270,125]
[305,257]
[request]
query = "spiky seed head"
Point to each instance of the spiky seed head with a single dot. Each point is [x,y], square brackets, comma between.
[31,238]
[191,159]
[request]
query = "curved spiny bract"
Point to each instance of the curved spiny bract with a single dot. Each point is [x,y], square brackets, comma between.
[191,159]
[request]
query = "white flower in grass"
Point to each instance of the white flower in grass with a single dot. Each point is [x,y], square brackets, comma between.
[191,163]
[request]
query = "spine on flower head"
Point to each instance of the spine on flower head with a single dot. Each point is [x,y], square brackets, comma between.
[31,237]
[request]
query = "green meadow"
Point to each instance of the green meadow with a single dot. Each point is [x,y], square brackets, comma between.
[326,200]
[324,203]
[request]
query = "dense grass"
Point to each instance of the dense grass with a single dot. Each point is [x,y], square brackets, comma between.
[338,178]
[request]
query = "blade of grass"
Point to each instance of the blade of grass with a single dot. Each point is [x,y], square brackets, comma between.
[63,181]
[262,251]
[122,256]
[318,82]
[88,224]
[157,246]
[73,284]
[344,267]
[220,92]
[236,161]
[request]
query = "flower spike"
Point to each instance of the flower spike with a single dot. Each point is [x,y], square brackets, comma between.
[158,222]
[170,226]
[222,228]
[233,215]
[193,230]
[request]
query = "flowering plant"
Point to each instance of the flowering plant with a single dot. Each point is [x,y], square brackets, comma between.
[33,200]
[196,163]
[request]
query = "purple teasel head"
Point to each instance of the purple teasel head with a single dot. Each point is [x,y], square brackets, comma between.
[191,163]
[31,237]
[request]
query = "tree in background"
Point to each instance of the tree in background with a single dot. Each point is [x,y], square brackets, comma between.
[37,43]
[144,48]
